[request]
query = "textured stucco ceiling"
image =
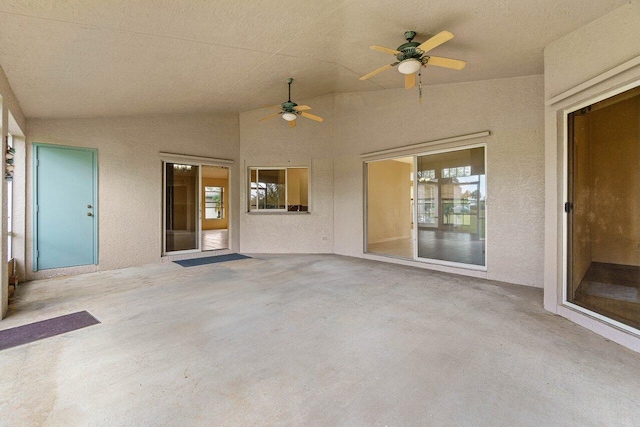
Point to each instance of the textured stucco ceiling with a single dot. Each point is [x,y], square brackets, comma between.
[121,57]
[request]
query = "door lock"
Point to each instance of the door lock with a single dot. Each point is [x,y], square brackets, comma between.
[89,206]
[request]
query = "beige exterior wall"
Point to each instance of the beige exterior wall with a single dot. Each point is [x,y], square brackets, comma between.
[585,64]
[10,103]
[357,123]
[273,144]
[130,175]
[511,109]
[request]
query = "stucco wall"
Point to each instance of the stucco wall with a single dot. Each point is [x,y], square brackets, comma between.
[511,109]
[10,102]
[593,49]
[357,123]
[273,144]
[586,54]
[130,174]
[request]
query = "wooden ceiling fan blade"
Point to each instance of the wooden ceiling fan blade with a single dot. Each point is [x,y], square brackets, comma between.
[435,41]
[302,108]
[378,71]
[292,124]
[455,64]
[409,81]
[312,117]
[270,116]
[385,50]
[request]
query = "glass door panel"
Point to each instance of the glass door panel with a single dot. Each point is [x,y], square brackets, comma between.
[451,206]
[603,209]
[389,207]
[181,207]
[214,208]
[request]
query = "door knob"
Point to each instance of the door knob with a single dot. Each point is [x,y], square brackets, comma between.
[89,214]
[89,206]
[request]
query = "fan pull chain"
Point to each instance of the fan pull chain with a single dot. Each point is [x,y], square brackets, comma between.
[420,87]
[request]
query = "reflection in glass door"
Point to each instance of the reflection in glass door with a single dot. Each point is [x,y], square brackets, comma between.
[181,207]
[451,206]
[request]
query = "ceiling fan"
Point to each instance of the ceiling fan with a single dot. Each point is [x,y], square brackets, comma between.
[290,110]
[411,56]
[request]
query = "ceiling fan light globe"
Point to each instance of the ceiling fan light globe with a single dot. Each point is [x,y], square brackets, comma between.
[289,116]
[409,66]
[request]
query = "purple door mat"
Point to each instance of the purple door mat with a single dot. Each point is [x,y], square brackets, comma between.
[45,329]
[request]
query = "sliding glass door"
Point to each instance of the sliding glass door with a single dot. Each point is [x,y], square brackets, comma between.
[181,216]
[451,206]
[603,210]
[429,207]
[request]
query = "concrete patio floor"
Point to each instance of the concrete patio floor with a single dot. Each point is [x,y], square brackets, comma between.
[308,340]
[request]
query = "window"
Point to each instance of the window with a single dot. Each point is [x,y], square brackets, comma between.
[213,202]
[279,189]
[181,215]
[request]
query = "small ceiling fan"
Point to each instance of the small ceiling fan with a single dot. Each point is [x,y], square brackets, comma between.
[290,110]
[411,56]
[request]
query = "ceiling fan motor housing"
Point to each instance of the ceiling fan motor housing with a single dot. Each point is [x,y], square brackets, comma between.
[288,107]
[408,51]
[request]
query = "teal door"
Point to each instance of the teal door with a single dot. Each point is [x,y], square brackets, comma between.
[65,224]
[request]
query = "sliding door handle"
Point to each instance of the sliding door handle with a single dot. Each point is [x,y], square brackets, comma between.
[568,207]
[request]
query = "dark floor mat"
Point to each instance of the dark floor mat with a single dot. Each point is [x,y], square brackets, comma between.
[45,329]
[210,260]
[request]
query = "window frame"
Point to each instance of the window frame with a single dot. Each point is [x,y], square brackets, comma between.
[286,210]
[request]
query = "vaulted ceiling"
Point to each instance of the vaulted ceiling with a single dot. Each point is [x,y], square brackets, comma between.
[125,57]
